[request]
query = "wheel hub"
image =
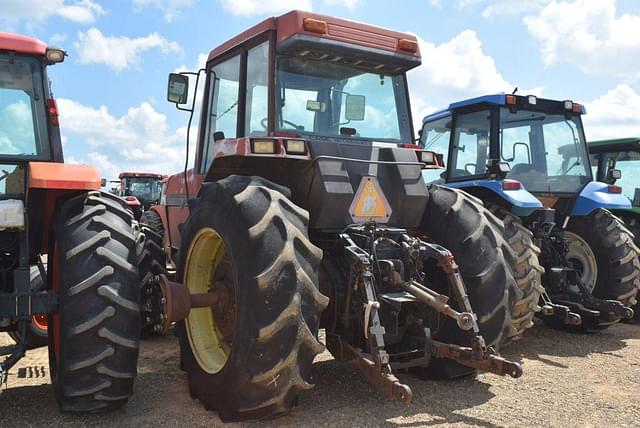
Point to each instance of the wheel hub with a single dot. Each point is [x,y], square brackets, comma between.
[582,259]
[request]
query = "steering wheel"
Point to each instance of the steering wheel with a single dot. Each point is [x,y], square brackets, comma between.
[264,124]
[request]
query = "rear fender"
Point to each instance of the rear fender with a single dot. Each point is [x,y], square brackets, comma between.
[596,195]
[57,182]
[520,202]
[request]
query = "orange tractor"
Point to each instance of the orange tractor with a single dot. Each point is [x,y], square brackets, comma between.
[304,208]
[87,292]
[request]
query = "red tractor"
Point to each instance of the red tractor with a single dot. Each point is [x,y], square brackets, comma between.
[305,207]
[140,190]
[87,291]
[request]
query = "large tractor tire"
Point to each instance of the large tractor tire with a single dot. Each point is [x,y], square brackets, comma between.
[526,270]
[37,329]
[250,355]
[601,249]
[153,220]
[633,225]
[151,263]
[460,223]
[94,335]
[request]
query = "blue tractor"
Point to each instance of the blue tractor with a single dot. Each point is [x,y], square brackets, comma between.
[560,227]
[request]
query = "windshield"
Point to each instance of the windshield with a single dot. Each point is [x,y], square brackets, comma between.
[145,189]
[435,136]
[337,100]
[23,127]
[628,162]
[546,152]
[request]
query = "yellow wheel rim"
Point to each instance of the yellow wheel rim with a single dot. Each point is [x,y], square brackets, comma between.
[207,342]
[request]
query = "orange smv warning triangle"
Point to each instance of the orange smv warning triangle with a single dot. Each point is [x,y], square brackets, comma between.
[369,203]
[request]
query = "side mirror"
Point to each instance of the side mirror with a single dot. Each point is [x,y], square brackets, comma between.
[103,182]
[178,88]
[615,174]
[354,107]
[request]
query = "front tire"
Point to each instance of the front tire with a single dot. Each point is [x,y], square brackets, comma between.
[610,247]
[249,356]
[94,336]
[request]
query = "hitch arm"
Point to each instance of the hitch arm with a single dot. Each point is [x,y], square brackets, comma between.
[483,360]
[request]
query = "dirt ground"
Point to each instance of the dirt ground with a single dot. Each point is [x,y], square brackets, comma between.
[569,380]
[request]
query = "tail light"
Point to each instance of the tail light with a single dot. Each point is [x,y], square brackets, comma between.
[411,146]
[408,45]
[511,185]
[315,25]
[52,109]
[510,100]
[612,188]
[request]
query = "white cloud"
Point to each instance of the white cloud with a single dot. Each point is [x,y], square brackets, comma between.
[590,35]
[261,7]
[349,4]
[118,53]
[82,11]
[454,70]
[57,39]
[37,11]
[512,7]
[138,140]
[170,8]
[613,115]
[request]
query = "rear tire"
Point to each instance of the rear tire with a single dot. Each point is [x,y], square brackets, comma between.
[153,220]
[526,270]
[249,225]
[94,336]
[151,263]
[460,223]
[616,256]
[633,225]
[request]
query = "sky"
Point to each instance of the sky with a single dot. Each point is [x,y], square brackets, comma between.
[111,89]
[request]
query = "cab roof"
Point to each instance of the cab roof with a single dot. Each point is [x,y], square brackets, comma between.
[493,99]
[21,44]
[338,30]
[142,175]
[614,145]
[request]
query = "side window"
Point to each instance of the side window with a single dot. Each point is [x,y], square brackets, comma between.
[470,144]
[223,104]
[257,92]
[435,137]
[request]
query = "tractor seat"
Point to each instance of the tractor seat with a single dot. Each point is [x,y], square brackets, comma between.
[522,168]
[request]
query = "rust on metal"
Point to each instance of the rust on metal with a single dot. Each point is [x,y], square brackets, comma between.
[178,301]
[477,358]
[379,375]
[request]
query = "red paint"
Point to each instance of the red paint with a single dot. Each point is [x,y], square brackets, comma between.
[52,175]
[142,174]
[21,44]
[340,30]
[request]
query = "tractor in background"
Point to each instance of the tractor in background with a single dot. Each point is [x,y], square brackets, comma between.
[68,259]
[617,163]
[561,226]
[140,190]
[304,208]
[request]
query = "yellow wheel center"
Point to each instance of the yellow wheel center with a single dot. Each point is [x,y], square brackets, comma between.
[207,342]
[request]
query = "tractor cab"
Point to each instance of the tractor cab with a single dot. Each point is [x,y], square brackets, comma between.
[302,91]
[537,142]
[617,162]
[145,187]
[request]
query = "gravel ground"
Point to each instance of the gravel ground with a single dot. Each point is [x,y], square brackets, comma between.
[569,380]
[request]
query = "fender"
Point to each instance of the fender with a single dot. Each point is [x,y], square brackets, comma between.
[61,176]
[521,201]
[596,195]
[132,201]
